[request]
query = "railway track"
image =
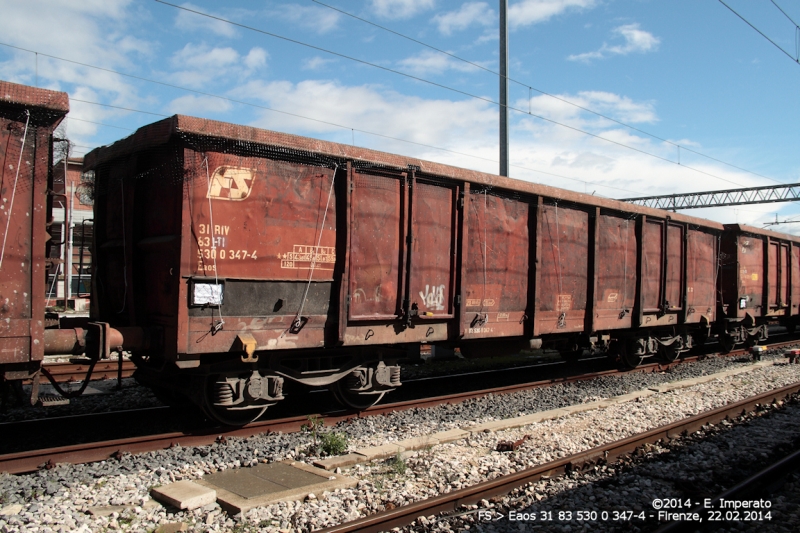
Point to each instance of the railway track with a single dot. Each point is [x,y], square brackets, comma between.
[28,461]
[456,500]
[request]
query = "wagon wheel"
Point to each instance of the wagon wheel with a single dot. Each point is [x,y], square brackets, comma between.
[227,417]
[628,357]
[353,400]
[727,342]
[668,354]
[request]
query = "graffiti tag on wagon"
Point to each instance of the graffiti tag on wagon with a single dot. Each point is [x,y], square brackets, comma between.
[230,183]
[433,297]
[305,256]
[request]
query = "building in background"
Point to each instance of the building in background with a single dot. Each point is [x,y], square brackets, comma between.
[69,256]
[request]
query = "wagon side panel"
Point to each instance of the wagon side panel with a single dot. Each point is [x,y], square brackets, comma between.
[563,269]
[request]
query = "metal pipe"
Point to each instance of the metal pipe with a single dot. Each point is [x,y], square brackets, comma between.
[73,341]
[503,89]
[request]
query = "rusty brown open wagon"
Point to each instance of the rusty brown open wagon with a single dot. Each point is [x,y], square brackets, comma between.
[228,259]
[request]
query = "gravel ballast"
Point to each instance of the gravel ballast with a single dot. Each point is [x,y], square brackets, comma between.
[74,498]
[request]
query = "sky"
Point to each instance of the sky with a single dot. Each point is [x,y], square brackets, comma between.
[618,98]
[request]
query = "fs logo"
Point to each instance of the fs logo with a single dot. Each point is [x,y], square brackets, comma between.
[230,183]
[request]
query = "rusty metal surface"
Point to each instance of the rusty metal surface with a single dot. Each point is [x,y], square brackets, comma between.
[752,230]
[497,271]
[615,257]
[396,241]
[71,372]
[562,261]
[266,215]
[376,235]
[751,274]
[652,265]
[794,274]
[452,501]
[432,275]
[701,276]
[673,284]
[160,132]
[28,117]
[768,278]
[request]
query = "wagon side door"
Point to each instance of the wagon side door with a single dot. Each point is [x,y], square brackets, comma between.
[562,269]
[378,209]
[496,265]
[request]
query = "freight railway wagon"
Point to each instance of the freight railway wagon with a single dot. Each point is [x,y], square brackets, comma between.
[230,259]
[759,283]
[28,117]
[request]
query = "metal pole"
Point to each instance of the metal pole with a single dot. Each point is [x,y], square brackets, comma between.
[503,89]
[68,268]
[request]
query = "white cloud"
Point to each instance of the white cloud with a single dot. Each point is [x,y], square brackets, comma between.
[199,64]
[319,19]
[469,14]
[429,61]
[400,9]
[370,108]
[95,32]
[198,105]
[615,106]
[316,63]
[529,12]
[636,41]
[184,20]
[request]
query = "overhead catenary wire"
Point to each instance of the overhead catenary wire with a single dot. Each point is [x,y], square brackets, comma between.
[98,124]
[776,45]
[436,84]
[540,91]
[296,115]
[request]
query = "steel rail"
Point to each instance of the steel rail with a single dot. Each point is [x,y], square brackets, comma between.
[32,460]
[450,502]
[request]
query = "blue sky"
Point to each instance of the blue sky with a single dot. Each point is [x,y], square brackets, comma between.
[687,72]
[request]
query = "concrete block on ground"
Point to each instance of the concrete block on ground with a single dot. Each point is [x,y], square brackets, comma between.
[339,461]
[578,408]
[184,495]
[450,435]
[107,510]
[418,443]
[172,527]
[380,452]
[631,396]
[535,418]
[242,489]
[494,425]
